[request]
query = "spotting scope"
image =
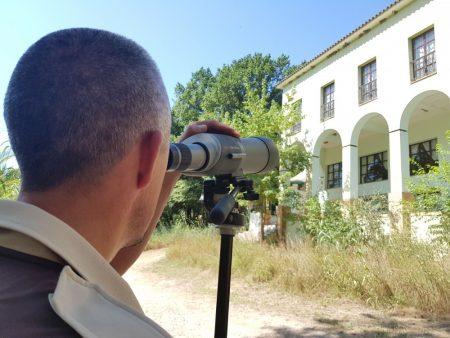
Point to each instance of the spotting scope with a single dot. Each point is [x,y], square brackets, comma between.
[216,154]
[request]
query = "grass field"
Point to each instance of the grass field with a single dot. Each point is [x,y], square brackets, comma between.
[392,273]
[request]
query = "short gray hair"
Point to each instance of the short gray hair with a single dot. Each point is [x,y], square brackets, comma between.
[77,101]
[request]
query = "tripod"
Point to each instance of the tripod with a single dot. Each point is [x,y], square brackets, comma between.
[223,208]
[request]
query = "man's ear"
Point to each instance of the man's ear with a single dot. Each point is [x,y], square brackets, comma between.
[148,153]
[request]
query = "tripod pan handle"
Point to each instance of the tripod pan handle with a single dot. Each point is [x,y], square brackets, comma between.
[222,209]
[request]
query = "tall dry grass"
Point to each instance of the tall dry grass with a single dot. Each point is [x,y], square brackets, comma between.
[394,272]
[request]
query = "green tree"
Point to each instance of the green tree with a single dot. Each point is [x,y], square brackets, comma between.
[185,204]
[189,99]
[9,176]
[244,95]
[263,116]
[225,92]
[255,73]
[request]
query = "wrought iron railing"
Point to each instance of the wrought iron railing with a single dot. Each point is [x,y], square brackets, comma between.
[424,65]
[327,110]
[368,91]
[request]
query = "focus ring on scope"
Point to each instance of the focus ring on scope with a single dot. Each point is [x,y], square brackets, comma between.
[186,157]
[205,149]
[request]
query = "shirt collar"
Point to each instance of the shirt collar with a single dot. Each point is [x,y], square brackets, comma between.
[19,242]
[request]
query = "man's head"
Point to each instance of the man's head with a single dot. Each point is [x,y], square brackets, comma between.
[77,103]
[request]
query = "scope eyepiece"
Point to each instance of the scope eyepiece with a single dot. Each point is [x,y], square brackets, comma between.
[217,154]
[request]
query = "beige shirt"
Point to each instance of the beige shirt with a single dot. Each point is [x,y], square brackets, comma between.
[95,300]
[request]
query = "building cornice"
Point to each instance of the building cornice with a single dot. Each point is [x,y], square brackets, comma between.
[348,39]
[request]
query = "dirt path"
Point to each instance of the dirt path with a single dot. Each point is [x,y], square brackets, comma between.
[183,302]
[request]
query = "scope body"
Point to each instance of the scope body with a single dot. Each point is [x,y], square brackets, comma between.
[217,154]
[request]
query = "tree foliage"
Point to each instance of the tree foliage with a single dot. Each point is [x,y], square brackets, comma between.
[184,204]
[225,92]
[244,95]
[262,117]
[188,105]
[342,224]
[431,190]
[9,176]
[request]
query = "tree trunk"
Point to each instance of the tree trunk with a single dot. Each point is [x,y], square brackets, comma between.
[281,223]
[263,220]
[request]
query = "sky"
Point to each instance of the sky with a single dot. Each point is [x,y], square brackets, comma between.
[183,36]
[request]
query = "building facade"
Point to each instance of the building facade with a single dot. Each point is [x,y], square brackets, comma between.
[374,100]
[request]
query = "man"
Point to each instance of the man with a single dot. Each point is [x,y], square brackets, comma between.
[88,119]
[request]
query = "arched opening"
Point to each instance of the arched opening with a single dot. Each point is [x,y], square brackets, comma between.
[426,119]
[327,165]
[424,123]
[371,136]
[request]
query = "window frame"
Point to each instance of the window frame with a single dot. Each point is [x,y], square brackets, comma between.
[384,160]
[427,54]
[327,107]
[335,178]
[373,91]
[297,128]
[432,150]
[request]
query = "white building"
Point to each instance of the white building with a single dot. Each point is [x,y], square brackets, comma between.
[377,97]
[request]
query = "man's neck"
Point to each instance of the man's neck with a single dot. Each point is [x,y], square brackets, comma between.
[98,221]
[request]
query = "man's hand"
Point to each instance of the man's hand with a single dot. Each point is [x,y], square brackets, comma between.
[209,126]
[127,256]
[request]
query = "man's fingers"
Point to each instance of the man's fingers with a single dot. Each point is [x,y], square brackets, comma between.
[220,128]
[208,126]
[193,129]
[197,129]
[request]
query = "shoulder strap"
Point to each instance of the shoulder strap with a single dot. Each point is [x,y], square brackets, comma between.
[69,245]
[92,313]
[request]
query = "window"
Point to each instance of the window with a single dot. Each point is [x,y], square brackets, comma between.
[334,178]
[368,87]
[423,55]
[372,168]
[296,128]
[328,102]
[423,156]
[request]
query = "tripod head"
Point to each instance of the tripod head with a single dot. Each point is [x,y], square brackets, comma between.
[220,199]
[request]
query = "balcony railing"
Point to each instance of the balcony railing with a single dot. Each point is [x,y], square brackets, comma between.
[327,110]
[424,66]
[296,128]
[368,92]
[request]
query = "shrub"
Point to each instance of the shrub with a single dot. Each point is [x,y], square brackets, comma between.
[392,272]
[343,224]
[431,189]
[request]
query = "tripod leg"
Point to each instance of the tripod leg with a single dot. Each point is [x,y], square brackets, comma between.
[223,288]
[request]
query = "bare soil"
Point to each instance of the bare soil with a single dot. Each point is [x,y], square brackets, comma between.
[182,300]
